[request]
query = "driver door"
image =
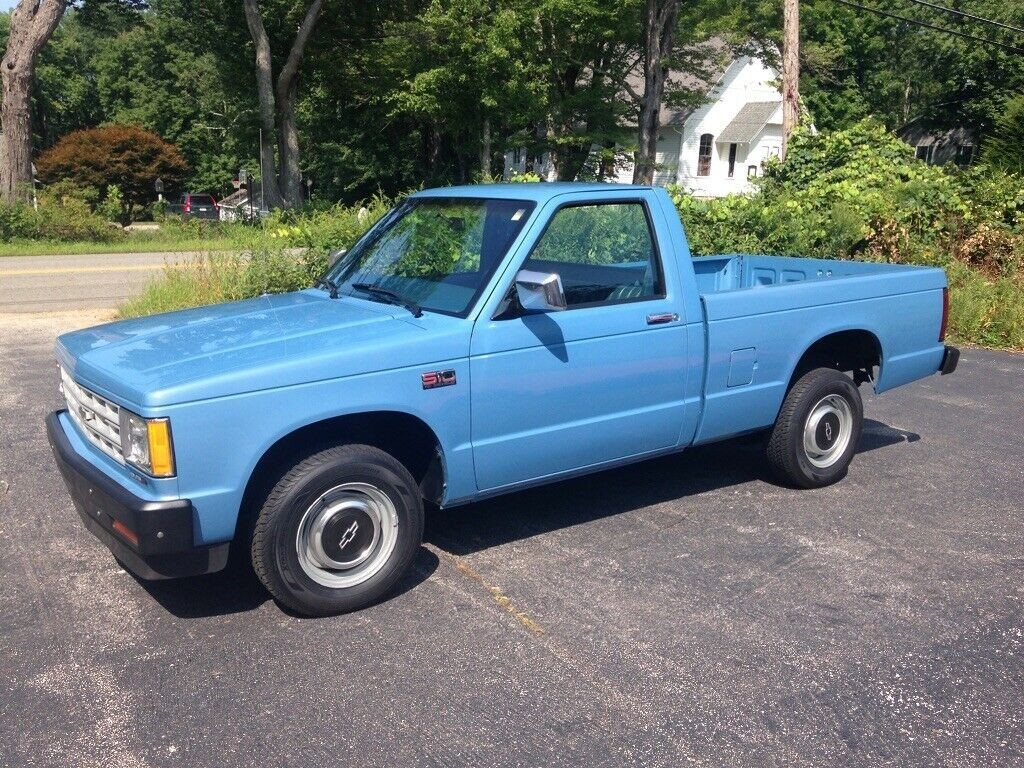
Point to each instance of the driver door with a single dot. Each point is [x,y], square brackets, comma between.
[603,380]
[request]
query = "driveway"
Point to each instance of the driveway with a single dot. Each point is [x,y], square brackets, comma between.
[682,611]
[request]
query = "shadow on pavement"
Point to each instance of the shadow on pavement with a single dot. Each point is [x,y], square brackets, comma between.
[497,521]
[878,435]
[237,590]
[475,527]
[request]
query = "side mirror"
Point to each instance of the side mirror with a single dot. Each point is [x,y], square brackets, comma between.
[540,291]
[335,256]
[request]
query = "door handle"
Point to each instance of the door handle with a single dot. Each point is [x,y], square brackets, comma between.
[661,318]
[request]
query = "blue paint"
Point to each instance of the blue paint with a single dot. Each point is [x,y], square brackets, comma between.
[538,397]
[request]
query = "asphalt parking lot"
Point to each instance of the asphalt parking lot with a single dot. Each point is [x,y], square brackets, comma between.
[682,611]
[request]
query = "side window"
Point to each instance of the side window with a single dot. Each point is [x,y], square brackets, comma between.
[604,253]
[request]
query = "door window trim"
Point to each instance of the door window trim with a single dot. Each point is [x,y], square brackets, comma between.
[659,267]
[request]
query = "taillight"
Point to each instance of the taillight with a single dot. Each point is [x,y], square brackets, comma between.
[945,314]
[188,206]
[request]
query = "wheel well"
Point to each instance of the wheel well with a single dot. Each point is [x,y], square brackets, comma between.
[401,435]
[858,352]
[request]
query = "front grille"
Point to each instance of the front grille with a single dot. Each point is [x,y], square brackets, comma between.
[99,420]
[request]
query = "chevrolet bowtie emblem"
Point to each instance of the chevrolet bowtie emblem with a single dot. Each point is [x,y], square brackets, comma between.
[350,533]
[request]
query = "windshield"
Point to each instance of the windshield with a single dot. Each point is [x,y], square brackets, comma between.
[434,253]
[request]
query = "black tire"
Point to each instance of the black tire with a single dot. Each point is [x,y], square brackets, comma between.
[813,393]
[275,549]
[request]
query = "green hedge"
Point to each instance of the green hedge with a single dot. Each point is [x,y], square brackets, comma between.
[860,194]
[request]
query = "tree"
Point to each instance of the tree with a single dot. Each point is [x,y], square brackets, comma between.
[282,185]
[790,70]
[184,73]
[1004,149]
[659,40]
[123,155]
[32,24]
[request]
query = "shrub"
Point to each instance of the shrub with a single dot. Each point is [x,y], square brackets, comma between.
[861,194]
[1003,148]
[127,156]
[69,220]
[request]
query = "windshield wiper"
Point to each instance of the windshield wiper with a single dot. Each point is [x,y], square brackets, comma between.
[327,284]
[389,296]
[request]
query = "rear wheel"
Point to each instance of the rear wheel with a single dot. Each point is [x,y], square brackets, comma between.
[816,433]
[338,530]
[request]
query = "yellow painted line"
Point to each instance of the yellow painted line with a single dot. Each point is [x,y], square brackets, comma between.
[79,270]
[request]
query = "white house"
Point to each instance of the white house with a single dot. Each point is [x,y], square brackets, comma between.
[715,149]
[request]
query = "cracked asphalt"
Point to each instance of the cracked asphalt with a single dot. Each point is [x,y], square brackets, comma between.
[682,611]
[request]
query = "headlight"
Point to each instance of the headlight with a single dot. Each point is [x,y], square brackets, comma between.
[146,444]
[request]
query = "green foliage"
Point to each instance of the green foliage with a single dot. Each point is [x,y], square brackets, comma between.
[122,161]
[69,220]
[859,193]
[1004,149]
[285,253]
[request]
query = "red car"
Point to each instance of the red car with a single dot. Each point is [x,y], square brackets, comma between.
[199,206]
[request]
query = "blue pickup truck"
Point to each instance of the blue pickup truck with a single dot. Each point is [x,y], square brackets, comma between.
[476,341]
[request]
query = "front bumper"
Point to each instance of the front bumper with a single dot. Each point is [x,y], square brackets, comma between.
[950,358]
[153,539]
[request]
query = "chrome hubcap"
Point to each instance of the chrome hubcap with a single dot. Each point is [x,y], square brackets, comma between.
[827,431]
[347,535]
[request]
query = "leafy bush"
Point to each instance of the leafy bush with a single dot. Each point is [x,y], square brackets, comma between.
[861,194]
[124,155]
[1003,148]
[69,220]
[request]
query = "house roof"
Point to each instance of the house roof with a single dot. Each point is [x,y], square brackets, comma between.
[748,122]
[918,134]
[718,59]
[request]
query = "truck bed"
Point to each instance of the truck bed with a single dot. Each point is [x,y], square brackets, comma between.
[738,271]
[762,311]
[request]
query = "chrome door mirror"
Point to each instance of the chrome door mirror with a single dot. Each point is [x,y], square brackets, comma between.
[540,291]
[335,256]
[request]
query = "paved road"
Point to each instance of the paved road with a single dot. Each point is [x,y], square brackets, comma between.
[683,611]
[59,283]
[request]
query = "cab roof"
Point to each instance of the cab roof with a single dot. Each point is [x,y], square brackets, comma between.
[537,191]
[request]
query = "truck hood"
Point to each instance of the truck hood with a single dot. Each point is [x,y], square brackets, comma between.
[262,343]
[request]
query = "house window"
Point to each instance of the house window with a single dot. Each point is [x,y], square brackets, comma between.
[924,152]
[517,155]
[751,171]
[704,155]
[732,160]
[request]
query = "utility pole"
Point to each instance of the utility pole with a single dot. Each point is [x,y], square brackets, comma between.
[790,69]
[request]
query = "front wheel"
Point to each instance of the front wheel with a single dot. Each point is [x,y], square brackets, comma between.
[816,433]
[338,530]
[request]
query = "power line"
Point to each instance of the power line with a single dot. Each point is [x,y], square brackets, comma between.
[937,28]
[966,15]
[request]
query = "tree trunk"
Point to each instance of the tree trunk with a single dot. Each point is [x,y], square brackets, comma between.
[606,170]
[485,151]
[290,174]
[659,39]
[16,116]
[282,181]
[31,26]
[790,70]
[265,95]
